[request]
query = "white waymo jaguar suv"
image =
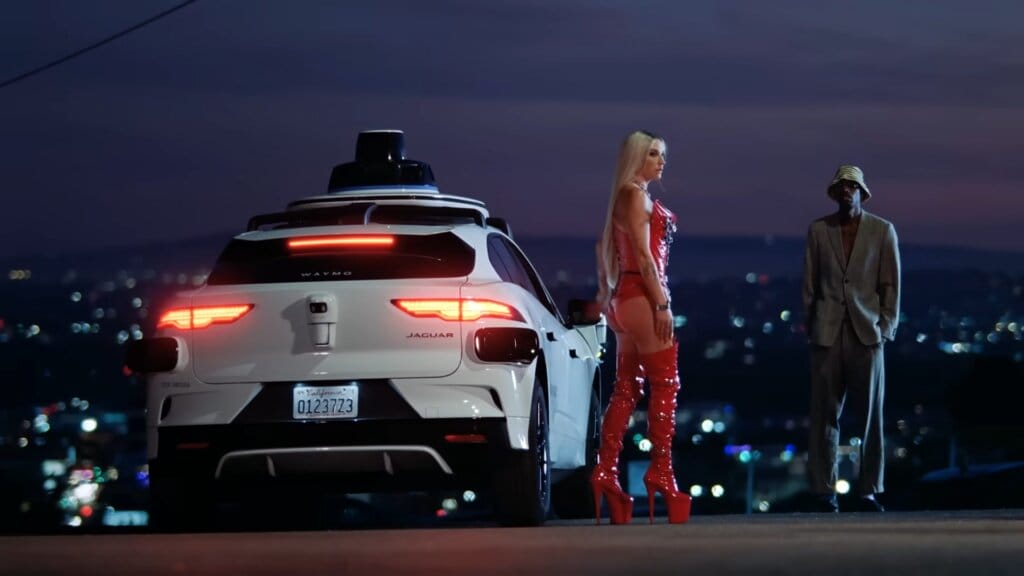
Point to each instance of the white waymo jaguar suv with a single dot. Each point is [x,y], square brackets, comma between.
[381,337]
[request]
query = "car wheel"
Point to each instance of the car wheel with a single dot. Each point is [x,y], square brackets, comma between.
[523,480]
[177,506]
[572,497]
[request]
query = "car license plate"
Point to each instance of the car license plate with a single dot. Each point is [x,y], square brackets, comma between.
[325,402]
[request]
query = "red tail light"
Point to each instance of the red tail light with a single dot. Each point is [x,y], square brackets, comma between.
[314,242]
[202,316]
[465,438]
[456,309]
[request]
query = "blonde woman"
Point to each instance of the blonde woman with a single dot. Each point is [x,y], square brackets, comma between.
[632,256]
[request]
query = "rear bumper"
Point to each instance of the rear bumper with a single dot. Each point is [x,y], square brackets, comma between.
[342,456]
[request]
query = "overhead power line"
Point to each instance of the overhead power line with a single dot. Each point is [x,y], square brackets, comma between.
[107,40]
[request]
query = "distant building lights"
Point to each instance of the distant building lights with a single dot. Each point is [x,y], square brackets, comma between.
[696,490]
[696,439]
[89,425]
[707,425]
[76,296]
[449,504]
[1012,327]
[86,492]
[745,456]
[786,456]
[842,487]
[715,349]
[717,490]
[738,321]
[921,338]
[785,315]
[679,321]
[719,427]
[751,278]
[767,328]
[763,506]
[469,496]
[645,445]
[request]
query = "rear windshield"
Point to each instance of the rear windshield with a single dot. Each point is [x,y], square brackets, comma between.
[442,255]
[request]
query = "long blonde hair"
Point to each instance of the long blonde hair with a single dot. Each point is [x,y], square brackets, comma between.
[632,155]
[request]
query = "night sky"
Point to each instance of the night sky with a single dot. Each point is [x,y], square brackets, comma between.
[228,108]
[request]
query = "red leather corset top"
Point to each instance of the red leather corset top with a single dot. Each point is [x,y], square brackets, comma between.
[663,226]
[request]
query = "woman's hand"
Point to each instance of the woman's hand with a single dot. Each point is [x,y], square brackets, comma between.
[602,298]
[663,324]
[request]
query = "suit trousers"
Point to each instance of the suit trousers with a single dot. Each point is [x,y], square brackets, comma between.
[847,370]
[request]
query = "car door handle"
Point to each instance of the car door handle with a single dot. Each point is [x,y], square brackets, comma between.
[572,353]
[551,337]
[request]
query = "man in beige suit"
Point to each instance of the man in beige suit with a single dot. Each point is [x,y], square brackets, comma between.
[851,297]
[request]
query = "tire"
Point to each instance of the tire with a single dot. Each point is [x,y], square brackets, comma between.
[177,506]
[573,497]
[523,478]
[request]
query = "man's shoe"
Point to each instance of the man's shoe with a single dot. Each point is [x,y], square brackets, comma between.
[869,504]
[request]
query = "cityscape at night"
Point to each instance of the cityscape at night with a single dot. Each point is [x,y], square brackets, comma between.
[73,442]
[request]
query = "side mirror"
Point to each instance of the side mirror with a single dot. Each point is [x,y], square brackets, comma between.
[152,355]
[584,312]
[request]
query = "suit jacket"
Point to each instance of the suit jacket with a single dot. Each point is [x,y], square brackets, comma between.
[867,287]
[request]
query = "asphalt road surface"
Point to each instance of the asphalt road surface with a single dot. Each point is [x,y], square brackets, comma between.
[896,543]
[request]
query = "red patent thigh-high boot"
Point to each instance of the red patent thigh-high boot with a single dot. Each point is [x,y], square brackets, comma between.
[605,478]
[663,377]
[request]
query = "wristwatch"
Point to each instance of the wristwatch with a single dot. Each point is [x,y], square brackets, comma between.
[661,307]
